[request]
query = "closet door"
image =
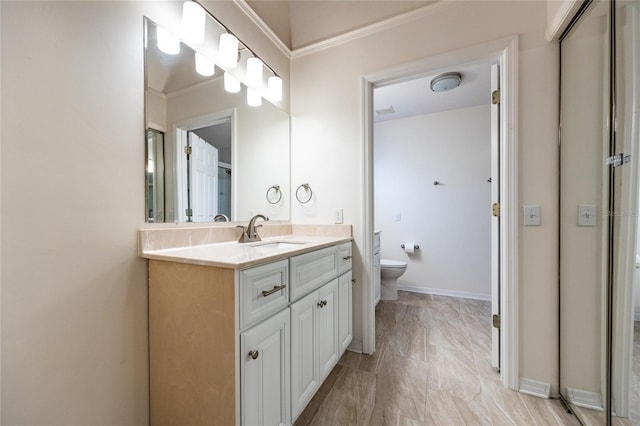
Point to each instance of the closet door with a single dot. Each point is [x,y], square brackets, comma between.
[585,198]
[625,377]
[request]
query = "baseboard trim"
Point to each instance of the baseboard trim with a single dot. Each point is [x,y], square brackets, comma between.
[442,292]
[355,346]
[585,399]
[535,388]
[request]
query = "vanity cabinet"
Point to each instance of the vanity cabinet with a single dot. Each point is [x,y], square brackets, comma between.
[245,346]
[264,372]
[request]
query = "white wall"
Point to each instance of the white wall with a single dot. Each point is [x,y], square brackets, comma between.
[74,293]
[327,142]
[451,222]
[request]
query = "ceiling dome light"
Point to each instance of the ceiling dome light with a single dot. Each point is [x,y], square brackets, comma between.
[166,42]
[228,51]
[204,66]
[231,84]
[253,97]
[254,71]
[446,81]
[274,88]
[193,20]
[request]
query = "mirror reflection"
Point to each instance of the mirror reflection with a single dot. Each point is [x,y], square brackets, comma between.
[210,156]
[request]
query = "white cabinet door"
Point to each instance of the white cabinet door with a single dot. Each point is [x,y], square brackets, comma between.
[264,372]
[345,325]
[304,358]
[328,346]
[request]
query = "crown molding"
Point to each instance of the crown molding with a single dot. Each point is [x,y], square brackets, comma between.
[386,24]
[244,6]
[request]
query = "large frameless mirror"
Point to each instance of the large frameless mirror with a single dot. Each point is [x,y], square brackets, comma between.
[209,155]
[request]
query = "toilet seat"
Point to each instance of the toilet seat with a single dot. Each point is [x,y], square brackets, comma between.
[387,263]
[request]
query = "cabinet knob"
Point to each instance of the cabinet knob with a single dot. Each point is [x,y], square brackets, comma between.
[254,354]
[322,303]
[347,257]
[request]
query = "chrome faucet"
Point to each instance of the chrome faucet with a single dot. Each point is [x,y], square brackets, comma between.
[221,218]
[250,234]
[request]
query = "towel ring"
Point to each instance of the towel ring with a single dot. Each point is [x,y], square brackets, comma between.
[307,189]
[276,190]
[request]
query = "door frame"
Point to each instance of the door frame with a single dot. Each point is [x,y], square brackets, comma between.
[180,130]
[505,52]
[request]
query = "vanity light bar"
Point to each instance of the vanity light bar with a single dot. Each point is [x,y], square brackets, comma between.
[228,55]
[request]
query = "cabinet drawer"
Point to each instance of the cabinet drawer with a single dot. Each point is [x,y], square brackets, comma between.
[264,290]
[344,258]
[311,270]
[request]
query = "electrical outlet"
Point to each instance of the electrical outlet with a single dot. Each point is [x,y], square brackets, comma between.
[338,216]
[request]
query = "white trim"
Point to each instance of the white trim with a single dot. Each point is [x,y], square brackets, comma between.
[156,126]
[386,24]
[444,292]
[355,346]
[266,30]
[368,263]
[506,52]
[561,19]
[585,399]
[535,388]
[509,267]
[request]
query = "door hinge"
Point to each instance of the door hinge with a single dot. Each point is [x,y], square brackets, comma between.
[495,209]
[187,150]
[496,320]
[495,97]
[618,160]
[188,212]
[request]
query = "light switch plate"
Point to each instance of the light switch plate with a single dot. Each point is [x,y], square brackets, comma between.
[531,215]
[586,215]
[398,216]
[338,216]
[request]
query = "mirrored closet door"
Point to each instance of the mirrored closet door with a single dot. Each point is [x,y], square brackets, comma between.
[599,107]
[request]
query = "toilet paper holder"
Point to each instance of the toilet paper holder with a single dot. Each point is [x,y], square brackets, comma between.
[415,247]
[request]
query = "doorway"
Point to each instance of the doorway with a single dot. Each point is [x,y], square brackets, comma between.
[503,52]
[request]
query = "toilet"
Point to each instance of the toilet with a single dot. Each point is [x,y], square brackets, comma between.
[390,271]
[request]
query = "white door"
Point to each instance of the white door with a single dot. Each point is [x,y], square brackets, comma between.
[304,359]
[345,325]
[265,372]
[495,219]
[328,345]
[203,179]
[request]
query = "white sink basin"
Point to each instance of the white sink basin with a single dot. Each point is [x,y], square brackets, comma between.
[281,244]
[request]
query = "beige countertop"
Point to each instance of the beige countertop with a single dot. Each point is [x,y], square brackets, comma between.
[236,255]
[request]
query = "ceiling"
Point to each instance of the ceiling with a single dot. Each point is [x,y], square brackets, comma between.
[414,97]
[299,23]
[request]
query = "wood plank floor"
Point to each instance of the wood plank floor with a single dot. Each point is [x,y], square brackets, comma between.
[431,367]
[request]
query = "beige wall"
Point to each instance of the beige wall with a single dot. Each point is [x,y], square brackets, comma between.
[74,294]
[327,148]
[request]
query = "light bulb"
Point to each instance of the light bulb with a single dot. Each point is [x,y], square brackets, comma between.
[254,71]
[193,19]
[228,51]
[231,84]
[253,97]
[166,42]
[274,88]
[204,66]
